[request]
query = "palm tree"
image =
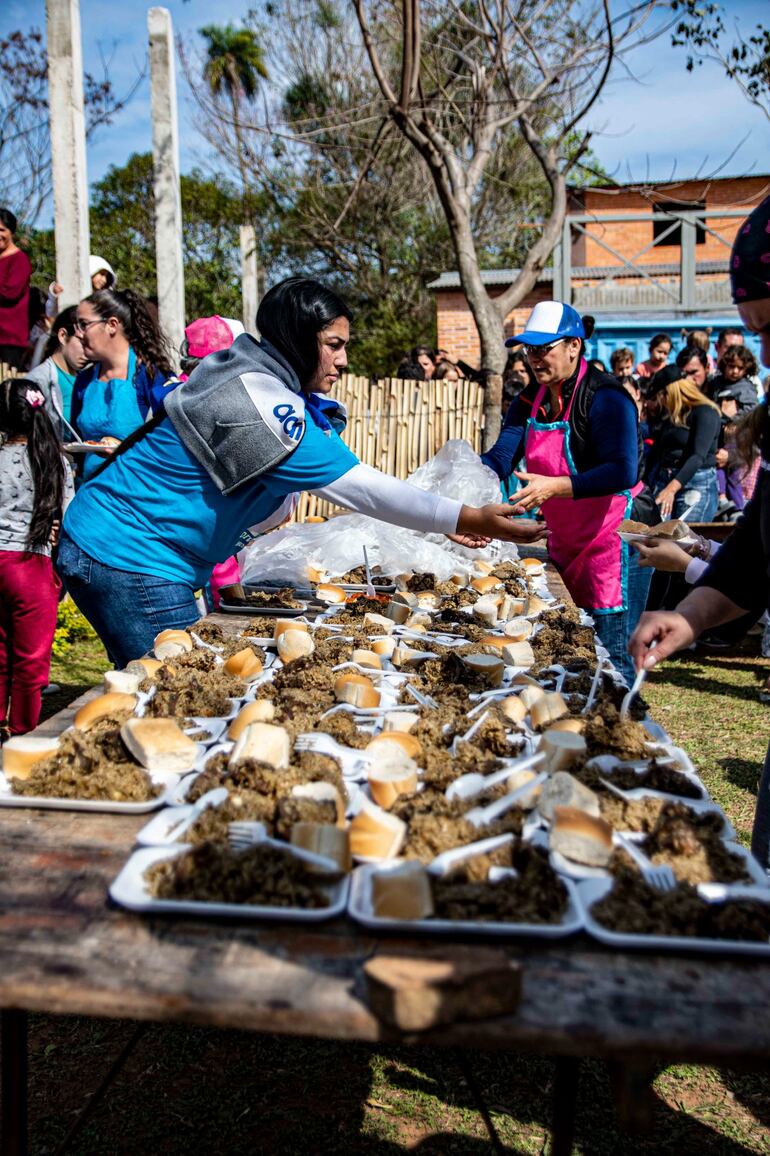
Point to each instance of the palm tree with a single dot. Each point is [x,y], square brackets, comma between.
[235,65]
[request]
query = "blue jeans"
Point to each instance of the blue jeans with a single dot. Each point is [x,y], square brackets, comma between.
[125,609]
[703,483]
[615,630]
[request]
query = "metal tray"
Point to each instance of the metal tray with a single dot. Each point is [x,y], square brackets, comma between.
[130,890]
[592,890]
[360,909]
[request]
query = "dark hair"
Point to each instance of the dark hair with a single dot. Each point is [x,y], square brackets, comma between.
[443,369]
[17,416]
[687,354]
[35,305]
[731,331]
[8,219]
[63,320]
[743,355]
[140,326]
[422,351]
[410,371]
[658,339]
[292,314]
[513,358]
[749,429]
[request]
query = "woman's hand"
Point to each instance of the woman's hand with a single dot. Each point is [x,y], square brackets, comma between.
[662,556]
[498,521]
[666,498]
[670,630]
[471,541]
[55,530]
[539,489]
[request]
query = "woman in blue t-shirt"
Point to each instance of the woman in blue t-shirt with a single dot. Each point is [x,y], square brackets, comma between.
[251,428]
[130,365]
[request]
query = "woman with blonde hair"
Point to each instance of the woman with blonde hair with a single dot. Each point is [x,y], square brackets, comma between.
[681,468]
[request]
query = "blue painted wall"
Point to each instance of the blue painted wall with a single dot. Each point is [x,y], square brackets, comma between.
[636,335]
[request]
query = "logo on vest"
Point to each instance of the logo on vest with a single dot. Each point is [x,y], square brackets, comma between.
[292,424]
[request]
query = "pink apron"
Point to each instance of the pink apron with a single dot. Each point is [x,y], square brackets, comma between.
[583,543]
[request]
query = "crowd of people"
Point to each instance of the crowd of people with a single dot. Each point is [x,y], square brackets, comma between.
[183,467]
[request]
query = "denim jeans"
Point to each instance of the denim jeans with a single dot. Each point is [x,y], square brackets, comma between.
[615,630]
[703,483]
[126,609]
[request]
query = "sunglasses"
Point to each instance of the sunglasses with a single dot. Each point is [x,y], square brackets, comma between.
[542,350]
[81,326]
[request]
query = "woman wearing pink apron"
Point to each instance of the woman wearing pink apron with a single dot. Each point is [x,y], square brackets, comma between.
[577,430]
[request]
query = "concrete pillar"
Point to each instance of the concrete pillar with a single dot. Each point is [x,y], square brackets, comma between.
[249,278]
[68,149]
[165,161]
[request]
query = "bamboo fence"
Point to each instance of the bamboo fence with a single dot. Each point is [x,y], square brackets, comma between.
[397,426]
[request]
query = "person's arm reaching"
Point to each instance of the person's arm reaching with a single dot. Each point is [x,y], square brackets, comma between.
[367,491]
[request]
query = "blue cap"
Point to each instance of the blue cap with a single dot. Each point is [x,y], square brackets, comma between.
[550,321]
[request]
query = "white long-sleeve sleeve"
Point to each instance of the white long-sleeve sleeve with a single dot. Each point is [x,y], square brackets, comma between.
[367,491]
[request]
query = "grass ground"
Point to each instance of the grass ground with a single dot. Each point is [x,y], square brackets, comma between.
[195,1090]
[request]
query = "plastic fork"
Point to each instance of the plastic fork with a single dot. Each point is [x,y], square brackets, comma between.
[448,860]
[625,706]
[595,681]
[483,816]
[473,783]
[423,699]
[660,878]
[245,833]
[353,762]
[370,591]
[466,738]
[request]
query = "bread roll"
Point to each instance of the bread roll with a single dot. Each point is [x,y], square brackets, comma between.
[518,654]
[380,622]
[518,629]
[391,779]
[293,644]
[576,725]
[515,609]
[398,612]
[283,624]
[367,658]
[332,595]
[403,893]
[314,573]
[537,604]
[493,643]
[489,666]
[530,695]
[419,621]
[428,600]
[323,839]
[405,598]
[264,742]
[400,721]
[144,667]
[322,792]
[581,837]
[406,656]
[244,664]
[172,643]
[486,584]
[384,647]
[513,708]
[534,567]
[261,710]
[122,681]
[376,834]
[509,607]
[104,706]
[520,779]
[485,610]
[562,749]
[389,743]
[548,709]
[159,743]
[563,790]
[357,690]
[21,752]
[315,518]
[481,568]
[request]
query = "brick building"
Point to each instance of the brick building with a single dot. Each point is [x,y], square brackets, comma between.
[641,260]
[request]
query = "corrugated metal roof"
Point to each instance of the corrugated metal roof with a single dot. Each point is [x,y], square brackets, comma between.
[579,272]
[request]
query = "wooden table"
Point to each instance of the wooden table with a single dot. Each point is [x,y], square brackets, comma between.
[64,949]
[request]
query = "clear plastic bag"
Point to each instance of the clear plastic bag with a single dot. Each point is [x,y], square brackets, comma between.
[336,546]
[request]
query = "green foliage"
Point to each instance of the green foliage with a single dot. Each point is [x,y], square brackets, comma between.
[235,60]
[701,28]
[71,627]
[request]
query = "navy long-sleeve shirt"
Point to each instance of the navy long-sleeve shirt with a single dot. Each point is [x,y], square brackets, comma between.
[611,448]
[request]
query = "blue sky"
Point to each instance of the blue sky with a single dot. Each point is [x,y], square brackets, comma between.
[663,122]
